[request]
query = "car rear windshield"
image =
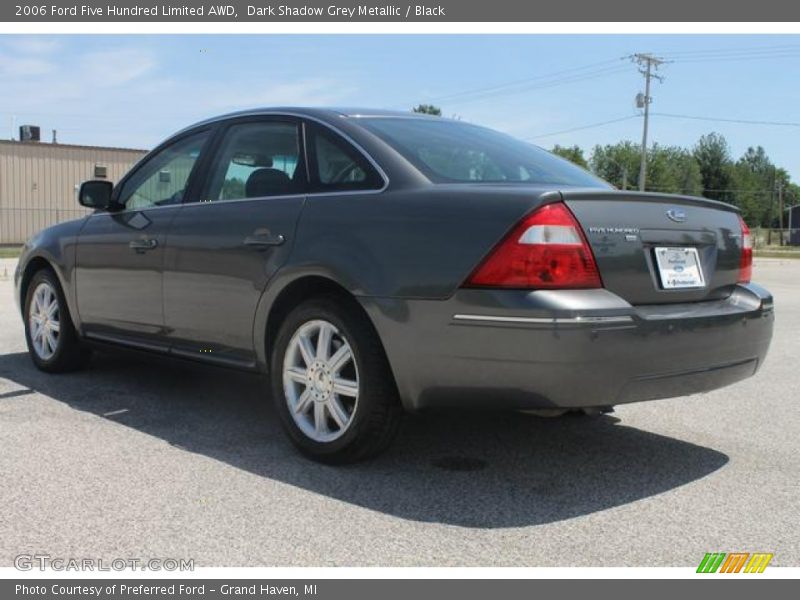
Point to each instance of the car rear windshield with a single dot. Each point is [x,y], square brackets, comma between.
[450,152]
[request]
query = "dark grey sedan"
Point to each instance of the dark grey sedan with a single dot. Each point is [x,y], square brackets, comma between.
[370,262]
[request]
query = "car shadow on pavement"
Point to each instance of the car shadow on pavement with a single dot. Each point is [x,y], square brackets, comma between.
[471,469]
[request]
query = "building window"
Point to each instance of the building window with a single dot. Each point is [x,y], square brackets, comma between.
[100,171]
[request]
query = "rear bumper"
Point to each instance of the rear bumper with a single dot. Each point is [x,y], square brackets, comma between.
[580,348]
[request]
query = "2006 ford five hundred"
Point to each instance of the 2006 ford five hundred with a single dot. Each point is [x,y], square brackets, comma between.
[369,262]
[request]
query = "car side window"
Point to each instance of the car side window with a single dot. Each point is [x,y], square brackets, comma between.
[338,166]
[163,179]
[256,160]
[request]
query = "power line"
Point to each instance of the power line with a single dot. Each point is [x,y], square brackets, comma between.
[735,54]
[723,120]
[778,51]
[575,74]
[527,80]
[668,115]
[744,52]
[589,126]
[476,97]
[736,59]
[740,49]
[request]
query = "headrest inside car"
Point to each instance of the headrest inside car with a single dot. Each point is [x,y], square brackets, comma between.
[267,182]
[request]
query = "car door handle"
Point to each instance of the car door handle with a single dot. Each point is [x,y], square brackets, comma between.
[263,240]
[143,245]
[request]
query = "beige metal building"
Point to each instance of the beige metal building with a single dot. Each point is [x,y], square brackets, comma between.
[39,182]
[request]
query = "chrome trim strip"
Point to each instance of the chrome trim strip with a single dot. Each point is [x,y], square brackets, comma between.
[238,200]
[545,320]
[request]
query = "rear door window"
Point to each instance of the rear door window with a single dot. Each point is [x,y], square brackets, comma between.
[255,160]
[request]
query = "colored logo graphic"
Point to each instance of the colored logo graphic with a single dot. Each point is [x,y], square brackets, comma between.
[734,562]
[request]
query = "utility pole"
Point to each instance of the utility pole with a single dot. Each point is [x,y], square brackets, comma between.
[780,215]
[648,65]
[623,169]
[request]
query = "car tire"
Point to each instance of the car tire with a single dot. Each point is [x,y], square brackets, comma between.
[335,410]
[53,342]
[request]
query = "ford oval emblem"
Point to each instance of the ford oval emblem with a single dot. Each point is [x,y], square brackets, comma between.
[677,215]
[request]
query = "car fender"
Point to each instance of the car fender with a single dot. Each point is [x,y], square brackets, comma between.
[55,245]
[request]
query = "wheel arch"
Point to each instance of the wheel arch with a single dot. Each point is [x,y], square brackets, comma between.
[33,266]
[292,294]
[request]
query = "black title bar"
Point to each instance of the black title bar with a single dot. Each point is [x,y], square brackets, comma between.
[442,11]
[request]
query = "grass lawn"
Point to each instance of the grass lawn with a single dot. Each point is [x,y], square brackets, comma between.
[10,251]
[776,253]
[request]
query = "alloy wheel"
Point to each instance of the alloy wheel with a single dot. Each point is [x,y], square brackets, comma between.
[44,321]
[320,381]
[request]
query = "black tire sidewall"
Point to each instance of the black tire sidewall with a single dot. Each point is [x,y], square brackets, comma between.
[371,375]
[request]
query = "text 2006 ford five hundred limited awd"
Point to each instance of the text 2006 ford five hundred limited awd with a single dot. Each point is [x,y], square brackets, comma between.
[369,262]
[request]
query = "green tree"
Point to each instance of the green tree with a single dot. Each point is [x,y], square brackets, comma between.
[571,153]
[617,163]
[673,170]
[758,162]
[753,182]
[713,157]
[428,109]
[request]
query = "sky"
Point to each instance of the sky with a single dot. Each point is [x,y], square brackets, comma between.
[135,90]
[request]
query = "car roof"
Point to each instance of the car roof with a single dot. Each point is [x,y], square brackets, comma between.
[327,114]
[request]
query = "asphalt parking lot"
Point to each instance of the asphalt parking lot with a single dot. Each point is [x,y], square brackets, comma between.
[151,459]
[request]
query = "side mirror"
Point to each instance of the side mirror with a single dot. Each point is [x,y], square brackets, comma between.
[95,194]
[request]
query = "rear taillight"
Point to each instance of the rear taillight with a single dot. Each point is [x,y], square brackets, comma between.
[746,260]
[546,250]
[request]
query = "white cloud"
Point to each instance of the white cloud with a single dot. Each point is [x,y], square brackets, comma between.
[32,45]
[120,94]
[116,67]
[25,56]
[23,67]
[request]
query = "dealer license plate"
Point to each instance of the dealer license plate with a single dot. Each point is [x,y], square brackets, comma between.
[679,268]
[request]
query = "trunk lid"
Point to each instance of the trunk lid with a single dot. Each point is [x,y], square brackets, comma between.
[645,243]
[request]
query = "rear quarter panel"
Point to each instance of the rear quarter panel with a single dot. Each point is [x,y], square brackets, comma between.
[420,243]
[395,248]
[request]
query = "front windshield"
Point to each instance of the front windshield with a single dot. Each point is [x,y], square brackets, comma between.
[451,152]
